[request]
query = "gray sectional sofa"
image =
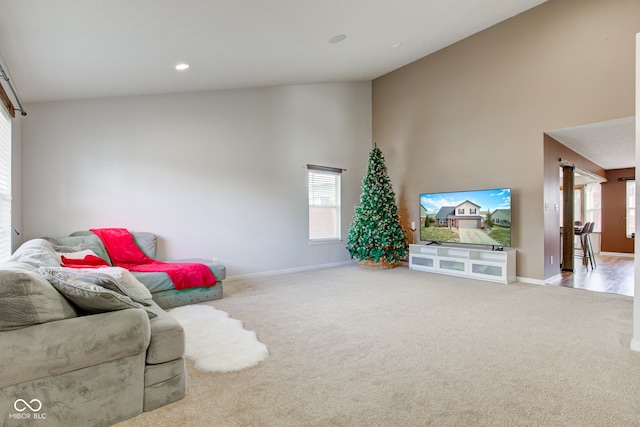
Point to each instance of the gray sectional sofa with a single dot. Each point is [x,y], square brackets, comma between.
[159,284]
[84,348]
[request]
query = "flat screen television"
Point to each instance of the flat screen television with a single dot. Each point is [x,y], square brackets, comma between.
[476,217]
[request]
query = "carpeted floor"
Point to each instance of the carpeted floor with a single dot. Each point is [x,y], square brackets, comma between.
[353,347]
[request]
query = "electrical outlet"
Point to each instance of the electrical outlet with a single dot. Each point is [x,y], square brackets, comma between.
[551,259]
[216,260]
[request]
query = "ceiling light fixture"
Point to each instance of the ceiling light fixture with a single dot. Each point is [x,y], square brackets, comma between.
[337,39]
[182,66]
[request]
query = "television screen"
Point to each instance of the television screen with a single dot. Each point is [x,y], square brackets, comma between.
[480,217]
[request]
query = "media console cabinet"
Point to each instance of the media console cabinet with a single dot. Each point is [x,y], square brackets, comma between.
[482,264]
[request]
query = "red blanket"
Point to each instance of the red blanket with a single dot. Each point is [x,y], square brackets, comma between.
[89,261]
[124,253]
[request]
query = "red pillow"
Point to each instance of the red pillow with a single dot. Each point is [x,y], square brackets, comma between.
[89,261]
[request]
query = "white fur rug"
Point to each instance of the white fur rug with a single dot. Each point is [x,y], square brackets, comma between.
[217,343]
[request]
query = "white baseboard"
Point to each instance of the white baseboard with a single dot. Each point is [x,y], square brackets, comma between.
[286,270]
[551,279]
[622,254]
[635,344]
[338,264]
[530,280]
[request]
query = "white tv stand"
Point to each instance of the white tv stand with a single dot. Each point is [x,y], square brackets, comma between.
[482,264]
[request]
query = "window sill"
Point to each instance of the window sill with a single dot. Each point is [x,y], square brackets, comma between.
[324,242]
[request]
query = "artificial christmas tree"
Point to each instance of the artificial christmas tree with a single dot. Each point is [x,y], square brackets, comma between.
[376,236]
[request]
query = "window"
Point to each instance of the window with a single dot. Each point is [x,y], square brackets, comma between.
[577,204]
[473,211]
[324,204]
[5,184]
[586,204]
[631,208]
[592,204]
[460,211]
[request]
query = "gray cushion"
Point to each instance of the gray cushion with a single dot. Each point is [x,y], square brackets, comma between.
[167,337]
[55,348]
[126,280]
[160,281]
[89,297]
[145,240]
[106,278]
[81,242]
[26,298]
[175,298]
[154,281]
[164,383]
[37,253]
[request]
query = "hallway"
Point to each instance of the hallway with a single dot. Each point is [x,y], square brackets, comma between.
[613,274]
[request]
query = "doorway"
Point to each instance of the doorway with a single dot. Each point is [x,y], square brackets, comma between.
[582,204]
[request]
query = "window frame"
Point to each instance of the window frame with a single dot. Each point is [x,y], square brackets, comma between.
[630,208]
[592,195]
[325,199]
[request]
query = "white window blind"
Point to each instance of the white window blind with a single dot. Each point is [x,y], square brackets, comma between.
[324,204]
[5,184]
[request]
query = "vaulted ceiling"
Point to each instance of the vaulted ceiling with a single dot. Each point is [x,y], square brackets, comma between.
[73,49]
[81,49]
[609,144]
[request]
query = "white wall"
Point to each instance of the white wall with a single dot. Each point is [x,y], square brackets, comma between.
[215,174]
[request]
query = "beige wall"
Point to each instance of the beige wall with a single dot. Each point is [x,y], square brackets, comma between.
[474,115]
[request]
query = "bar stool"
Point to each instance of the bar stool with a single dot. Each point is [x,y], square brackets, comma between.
[587,241]
[585,254]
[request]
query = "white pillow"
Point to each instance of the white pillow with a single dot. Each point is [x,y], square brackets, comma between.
[124,278]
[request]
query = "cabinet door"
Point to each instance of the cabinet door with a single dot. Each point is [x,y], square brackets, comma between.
[452,266]
[488,270]
[422,262]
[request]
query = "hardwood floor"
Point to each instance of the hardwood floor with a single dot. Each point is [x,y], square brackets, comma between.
[613,274]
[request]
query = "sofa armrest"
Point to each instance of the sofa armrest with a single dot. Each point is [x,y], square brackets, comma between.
[67,345]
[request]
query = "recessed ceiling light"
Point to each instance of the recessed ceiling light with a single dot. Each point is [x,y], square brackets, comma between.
[182,66]
[337,39]
[396,45]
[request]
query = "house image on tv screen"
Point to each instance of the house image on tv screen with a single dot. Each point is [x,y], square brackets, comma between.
[474,217]
[465,215]
[501,217]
